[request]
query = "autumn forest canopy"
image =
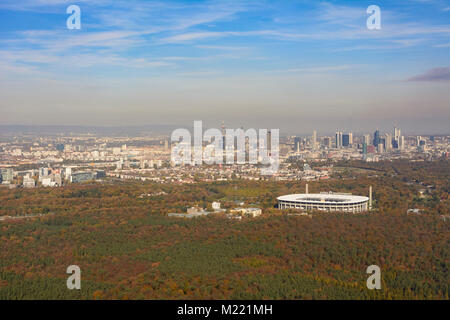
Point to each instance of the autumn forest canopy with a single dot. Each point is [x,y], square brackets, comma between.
[127,247]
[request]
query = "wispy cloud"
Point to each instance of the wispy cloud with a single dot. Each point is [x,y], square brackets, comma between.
[433,75]
[442,45]
[323,69]
[224,48]
[338,14]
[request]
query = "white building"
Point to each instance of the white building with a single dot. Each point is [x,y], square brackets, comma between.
[216,205]
[324,202]
[253,212]
[28,182]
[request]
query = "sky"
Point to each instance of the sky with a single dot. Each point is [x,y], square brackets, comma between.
[292,65]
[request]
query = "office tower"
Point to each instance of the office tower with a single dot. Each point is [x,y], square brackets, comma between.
[223,139]
[327,142]
[364,148]
[345,140]
[376,138]
[388,142]
[367,139]
[297,141]
[396,138]
[397,134]
[402,143]
[350,138]
[314,140]
[338,140]
[395,144]
[380,148]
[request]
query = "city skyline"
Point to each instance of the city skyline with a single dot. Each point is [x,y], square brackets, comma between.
[296,66]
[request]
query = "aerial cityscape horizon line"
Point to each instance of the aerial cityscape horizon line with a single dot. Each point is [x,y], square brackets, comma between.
[167,128]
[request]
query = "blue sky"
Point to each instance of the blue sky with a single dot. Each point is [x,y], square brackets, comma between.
[293,64]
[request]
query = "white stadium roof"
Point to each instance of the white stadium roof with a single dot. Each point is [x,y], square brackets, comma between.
[330,198]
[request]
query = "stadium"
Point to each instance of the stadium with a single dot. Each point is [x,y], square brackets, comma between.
[325,202]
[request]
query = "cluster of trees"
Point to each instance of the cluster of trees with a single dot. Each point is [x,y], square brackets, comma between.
[127,248]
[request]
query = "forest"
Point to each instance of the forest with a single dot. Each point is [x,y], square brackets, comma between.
[127,247]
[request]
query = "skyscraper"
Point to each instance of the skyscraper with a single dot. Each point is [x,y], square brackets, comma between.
[327,142]
[338,139]
[376,138]
[345,140]
[396,138]
[314,140]
[397,133]
[297,142]
[388,142]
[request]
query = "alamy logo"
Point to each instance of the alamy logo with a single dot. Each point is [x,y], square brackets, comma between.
[74,281]
[228,146]
[74,20]
[374,281]
[374,20]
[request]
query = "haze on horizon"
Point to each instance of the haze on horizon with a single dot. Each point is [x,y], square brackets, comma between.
[296,66]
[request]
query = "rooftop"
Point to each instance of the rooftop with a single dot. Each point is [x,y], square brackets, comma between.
[321,198]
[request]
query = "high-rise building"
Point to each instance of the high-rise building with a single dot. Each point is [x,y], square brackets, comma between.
[388,142]
[224,134]
[396,138]
[367,139]
[397,134]
[297,142]
[338,139]
[345,140]
[314,140]
[376,138]
[401,145]
[327,142]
